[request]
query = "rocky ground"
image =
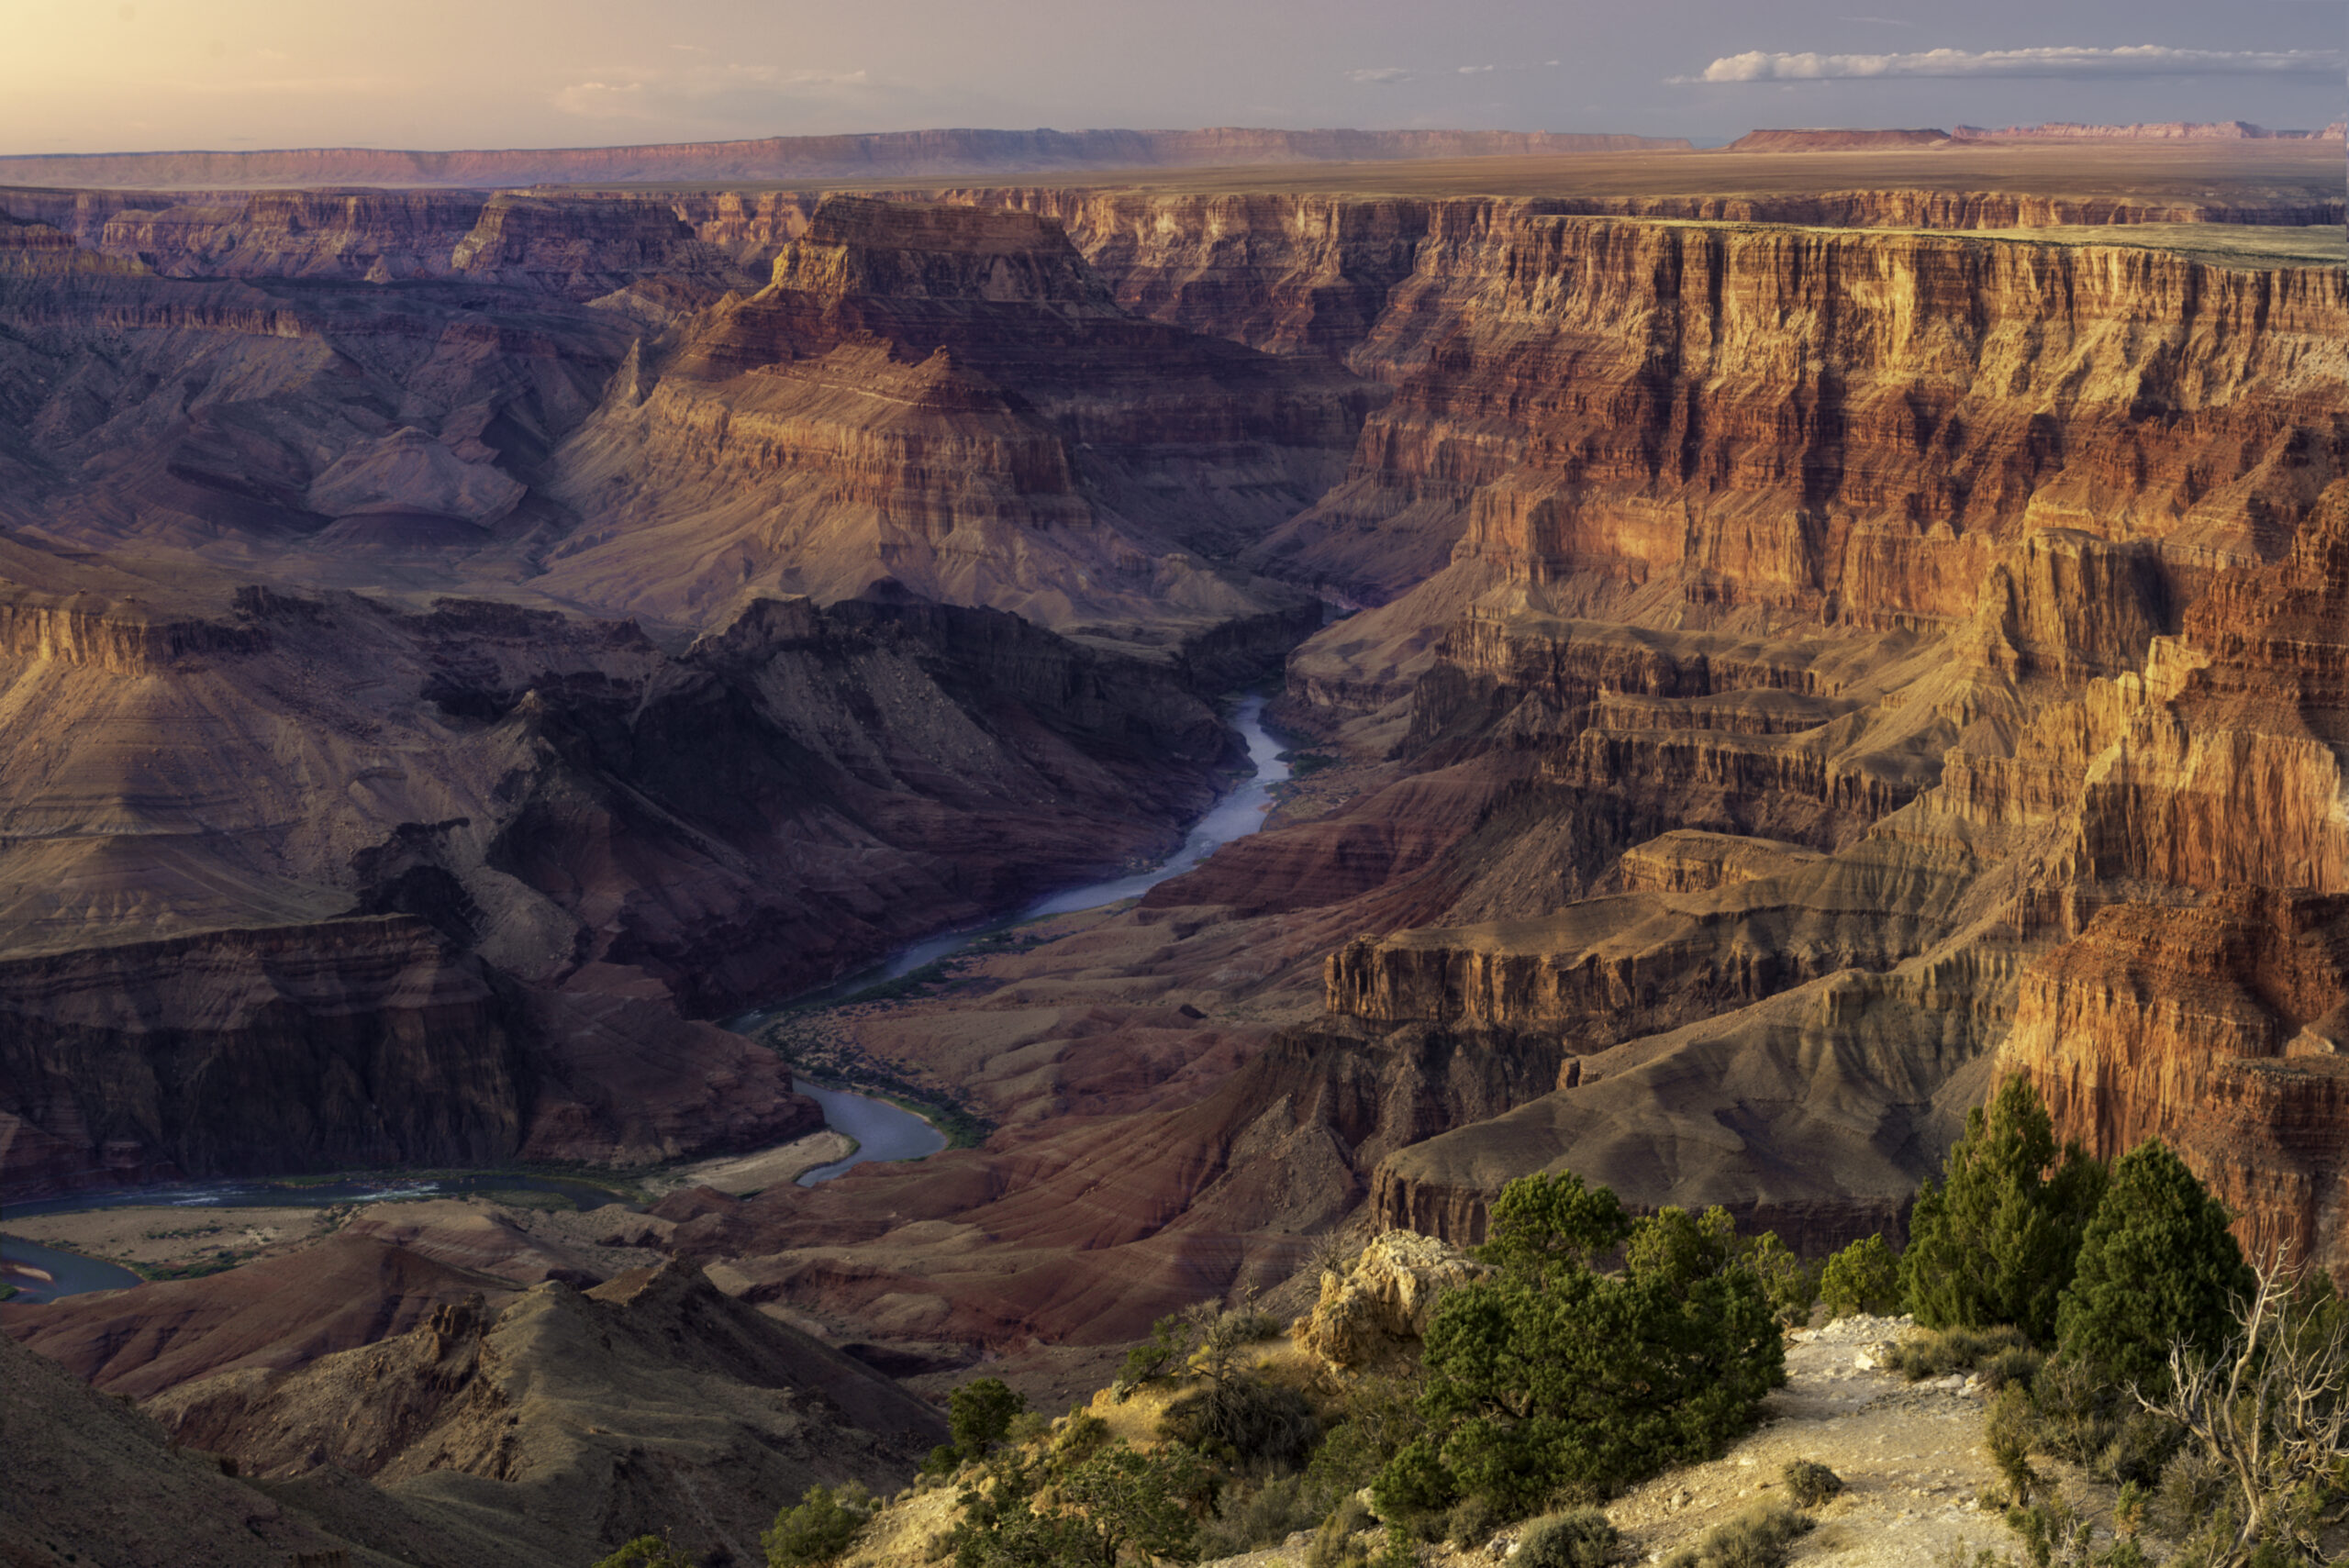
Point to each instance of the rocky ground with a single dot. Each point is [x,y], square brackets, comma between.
[1909,1456]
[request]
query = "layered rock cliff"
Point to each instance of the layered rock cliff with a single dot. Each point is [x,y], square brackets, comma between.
[1763,662]
[433,884]
[951,399]
[2199,990]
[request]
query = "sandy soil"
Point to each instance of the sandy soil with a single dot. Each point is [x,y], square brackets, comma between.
[165,1238]
[744,1173]
[1910,1456]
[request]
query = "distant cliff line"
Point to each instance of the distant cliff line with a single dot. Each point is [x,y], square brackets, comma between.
[891,154]
[2173,130]
[1862,138]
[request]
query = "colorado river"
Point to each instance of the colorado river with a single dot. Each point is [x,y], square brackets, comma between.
[44,1274]
[885,1131]
[882,1131]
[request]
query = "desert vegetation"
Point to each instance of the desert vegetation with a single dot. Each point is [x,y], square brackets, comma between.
[2149,1397]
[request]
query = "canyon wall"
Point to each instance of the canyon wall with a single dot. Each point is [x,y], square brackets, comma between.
[1744,594]
[1781,589]
[435,887]
[951,398]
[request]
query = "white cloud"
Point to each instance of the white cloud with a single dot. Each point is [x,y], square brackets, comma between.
[1473,70]
[1379,75]
[776,76]
[699,91]
[2139,60]
[603,100]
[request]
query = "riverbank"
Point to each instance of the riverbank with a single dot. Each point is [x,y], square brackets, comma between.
[739,1175]
[163,1242]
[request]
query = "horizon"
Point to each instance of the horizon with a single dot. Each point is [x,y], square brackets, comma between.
[264,75]
[1955,130]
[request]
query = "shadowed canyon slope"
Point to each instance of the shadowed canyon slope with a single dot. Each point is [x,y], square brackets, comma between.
[338,769]
[1768,657]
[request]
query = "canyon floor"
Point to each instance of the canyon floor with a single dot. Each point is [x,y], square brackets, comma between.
[1768,641]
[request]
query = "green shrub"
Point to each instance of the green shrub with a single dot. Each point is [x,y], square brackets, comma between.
[1378,1416]
[1119,1499]
[1243,1418]
[2139,1451]
[2007,1434]
[1333,1544]
[1398,1552]
[1555,1382]
[978,1416]
[1553,1217]
[2156,1265]
[1921,1356]
[1789,1283]
[1471,1523]
[1995,1242]
[1252,1515]
[1083,1436]
[2074,1414]
[647,1552]
[1762,1537]
[1581,1539]
[2016,1363]
[1809,1483]
[821,1528]
[2193,1487]
[1863,1277]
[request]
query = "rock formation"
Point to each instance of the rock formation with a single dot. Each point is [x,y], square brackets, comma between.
[544,1429]
[1384,1301]
[650,1405]
[951,398]
[95,1480]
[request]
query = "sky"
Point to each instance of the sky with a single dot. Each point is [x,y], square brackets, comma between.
[106,75]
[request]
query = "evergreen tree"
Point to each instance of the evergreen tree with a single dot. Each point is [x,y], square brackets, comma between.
[2156,1265]
[1555,1378]
[1863,1277]
[1553,1218]
[979,1414]
[1995,1242]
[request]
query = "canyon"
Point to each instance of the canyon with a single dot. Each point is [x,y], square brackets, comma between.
[1770,641]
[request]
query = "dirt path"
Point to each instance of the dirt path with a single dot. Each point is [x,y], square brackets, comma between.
[1910,1456]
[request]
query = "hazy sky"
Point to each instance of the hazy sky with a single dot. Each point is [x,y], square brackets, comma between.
[93,75]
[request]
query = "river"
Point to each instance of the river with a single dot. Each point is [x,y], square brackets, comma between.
[44,1274]
[885,1131]
[882,1131]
